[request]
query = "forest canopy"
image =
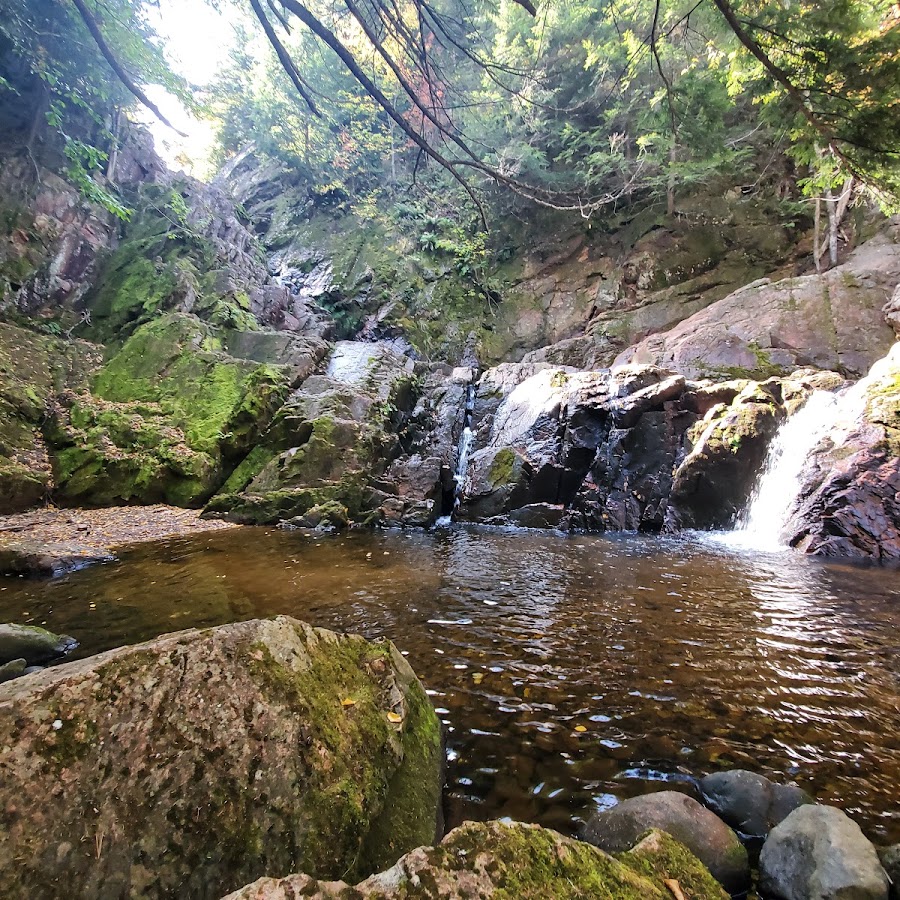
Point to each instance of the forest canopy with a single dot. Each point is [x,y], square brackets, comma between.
[572,104]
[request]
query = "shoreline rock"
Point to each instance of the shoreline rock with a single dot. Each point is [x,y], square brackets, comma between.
[199,761]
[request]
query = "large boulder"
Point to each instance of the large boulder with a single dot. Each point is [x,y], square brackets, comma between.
[750,803]
[830,321]
[819,853]
[703,833]
[512,860]
[890,860]
[197,762]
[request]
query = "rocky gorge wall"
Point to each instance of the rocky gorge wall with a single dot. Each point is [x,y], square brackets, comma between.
[245,346]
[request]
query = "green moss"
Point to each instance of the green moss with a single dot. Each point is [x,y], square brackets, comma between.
[248,469]
[502,467]
[356,754]
[659,857]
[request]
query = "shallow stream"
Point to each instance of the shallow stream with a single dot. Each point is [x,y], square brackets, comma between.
[570,671]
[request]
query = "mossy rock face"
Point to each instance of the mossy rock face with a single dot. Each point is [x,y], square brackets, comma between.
[33,368]
[513,861]
[197,762]
[336,434]
[169,417]
[713,482]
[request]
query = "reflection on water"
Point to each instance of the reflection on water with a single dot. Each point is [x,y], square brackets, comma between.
[570,671]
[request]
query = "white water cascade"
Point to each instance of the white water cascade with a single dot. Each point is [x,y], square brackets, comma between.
[462,454]
[762,524]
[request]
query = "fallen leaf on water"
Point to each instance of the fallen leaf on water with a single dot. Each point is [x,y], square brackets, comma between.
[580,729]
[477,677]
[394,719]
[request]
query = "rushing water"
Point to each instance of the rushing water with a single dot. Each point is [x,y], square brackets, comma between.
[570,671]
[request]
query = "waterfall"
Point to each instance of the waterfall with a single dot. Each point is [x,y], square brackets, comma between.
[761,525]
[462,453]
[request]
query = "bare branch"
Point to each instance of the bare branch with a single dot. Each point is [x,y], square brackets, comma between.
[117,67]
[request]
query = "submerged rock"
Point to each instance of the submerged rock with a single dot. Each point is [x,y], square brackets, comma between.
[36,557]
[819,853]
[750,803]
[197,762]
[34,645]
[512,860]
[703,833]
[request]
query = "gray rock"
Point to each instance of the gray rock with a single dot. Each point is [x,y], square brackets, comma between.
[890,856]
[704,834]
[34,645]
[203,760]
[819,853]
[750,803]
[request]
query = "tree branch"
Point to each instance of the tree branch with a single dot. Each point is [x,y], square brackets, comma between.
[116,66]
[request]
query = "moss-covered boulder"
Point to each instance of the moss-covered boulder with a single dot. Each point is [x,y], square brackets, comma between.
[192,764]
[513,861]
[33,368]
[712,483]
[334,436]
[170,415]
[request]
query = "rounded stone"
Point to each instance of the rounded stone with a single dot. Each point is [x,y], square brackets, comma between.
[750,803]
[703,833]
[820,853]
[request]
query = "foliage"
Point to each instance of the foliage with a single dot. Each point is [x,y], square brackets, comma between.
[50,63]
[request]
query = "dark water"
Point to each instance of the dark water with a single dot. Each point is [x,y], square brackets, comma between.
[570,671]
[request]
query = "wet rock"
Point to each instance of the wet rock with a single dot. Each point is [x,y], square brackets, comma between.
[830,321]
[712,483]
[34,645]
[202,760]
[819,853]
[37,558]
[505,860]
[849,499]
[890,862]
[703,833]
[750,803]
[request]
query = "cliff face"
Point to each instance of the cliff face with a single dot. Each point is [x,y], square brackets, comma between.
[265,350]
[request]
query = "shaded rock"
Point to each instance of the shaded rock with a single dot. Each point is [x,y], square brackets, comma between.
[849,500]
[890,862]
[750,803]
[830,321]
[512,860]
[33,644]
[703,833]
[819,853]
[15,668]
[197,762]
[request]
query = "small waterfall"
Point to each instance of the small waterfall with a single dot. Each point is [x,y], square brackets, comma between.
[765,517]
[462,453]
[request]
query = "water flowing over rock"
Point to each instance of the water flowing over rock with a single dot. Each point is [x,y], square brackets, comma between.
[847,499]
[819,853]
[197,762]
[512,860]
[703,833]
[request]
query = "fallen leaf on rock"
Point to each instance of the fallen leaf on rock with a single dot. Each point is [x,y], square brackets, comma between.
[394,718]
[347,701]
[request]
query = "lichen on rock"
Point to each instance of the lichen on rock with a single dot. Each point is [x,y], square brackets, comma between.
[202,760]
